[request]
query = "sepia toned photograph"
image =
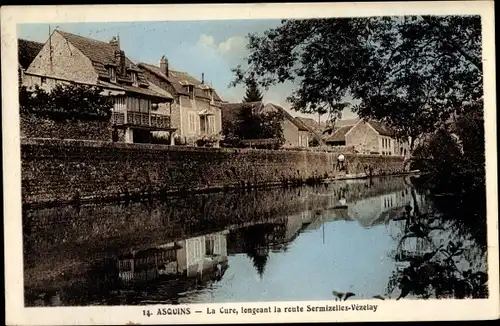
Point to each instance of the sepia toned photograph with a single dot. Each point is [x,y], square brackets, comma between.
[336,164]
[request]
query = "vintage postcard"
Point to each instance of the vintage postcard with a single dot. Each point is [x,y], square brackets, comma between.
[316,162]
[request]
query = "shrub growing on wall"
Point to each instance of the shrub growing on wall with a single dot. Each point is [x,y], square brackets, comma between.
[66,102]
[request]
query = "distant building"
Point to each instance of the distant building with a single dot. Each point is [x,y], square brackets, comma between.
[367,137]
[196,109]
[295,133]
[68,58]
[316,129]
[26,52]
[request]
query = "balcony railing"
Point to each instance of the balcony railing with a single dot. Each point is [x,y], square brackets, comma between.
[141,119]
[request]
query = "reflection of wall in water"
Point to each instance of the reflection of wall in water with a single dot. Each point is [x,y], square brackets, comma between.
[381,208]
[367,211]
[189,257]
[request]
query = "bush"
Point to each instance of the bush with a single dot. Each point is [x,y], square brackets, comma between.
[66,102]
[207,140]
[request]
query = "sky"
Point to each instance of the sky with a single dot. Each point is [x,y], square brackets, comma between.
[211,47]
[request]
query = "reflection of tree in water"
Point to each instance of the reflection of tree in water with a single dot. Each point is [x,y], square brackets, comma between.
[259,240]
[259,258]
[439,270]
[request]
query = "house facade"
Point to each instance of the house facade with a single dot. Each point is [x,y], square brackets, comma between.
[368,137]
[196,106]
[72,59]
[295,133]
[316,129]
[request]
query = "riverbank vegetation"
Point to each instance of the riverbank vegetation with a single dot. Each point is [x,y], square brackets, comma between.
[410,72]
[423,77]
[420,75]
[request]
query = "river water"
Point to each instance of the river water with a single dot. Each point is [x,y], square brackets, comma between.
[372,238]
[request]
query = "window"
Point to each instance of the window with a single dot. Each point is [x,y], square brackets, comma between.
[209,246]
[191,91]
[192,121]
[211,124]
[134,79]
[112,73]
[119,103]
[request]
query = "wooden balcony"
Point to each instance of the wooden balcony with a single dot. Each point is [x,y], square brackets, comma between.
[151,121]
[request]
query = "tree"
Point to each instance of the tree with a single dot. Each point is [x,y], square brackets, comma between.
[66,102]
[411,73]
[253,93]
[250,124]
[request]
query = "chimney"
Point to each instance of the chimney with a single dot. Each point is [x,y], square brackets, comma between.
[164,65]
[120,62]
[203,78]
[115,42]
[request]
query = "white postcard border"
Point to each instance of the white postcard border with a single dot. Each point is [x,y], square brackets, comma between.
[416,310]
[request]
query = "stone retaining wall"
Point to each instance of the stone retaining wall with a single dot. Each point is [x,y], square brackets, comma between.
[62,170]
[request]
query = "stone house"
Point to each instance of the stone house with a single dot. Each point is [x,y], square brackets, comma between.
[72,59]
[295,133]
[368,137]
[196,108]
[316,129]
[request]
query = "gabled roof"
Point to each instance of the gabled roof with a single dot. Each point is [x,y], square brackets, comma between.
[179,79]
[327,132]
[339,134]
[148,91]
[101,54]
[27,51]
[230,111]
[381,128]
[313,126]
[346,122]
[237,106]
[346,125]
[288,116]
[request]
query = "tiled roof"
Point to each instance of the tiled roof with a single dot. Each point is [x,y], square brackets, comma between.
[101,54]
[151,91]
[339,134]
[144,91]
[160,90]
[346,122]
[311,123]
[230,110]
[288,116]
[314,127]
[178,78]
[27,51]
[381,128]
[328,132]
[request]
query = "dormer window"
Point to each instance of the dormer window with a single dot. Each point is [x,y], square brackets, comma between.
[134,79]
[191,91]
[112,73]
[188,87]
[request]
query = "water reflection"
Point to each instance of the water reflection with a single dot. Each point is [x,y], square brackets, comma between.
[370,239]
